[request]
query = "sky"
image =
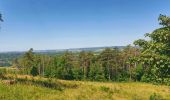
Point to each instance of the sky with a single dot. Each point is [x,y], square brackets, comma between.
[63,24]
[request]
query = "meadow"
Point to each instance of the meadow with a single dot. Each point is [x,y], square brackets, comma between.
[38,88]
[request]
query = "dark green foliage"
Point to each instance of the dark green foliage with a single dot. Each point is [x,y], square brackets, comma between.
[78,73]
[139,71]
[34,71]
[96,73]
[81,66]
[156,96]
[67,65]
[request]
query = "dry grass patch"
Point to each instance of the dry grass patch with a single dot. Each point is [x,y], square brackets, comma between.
[82,90]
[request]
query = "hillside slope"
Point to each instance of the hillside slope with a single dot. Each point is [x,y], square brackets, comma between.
[77,90]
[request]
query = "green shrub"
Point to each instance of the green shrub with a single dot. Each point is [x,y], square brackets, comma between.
[145,78]
[156,96]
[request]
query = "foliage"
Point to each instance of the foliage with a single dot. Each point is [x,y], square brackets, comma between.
[96,73]
[155,56]
[139,72]
[34,71]
[110,64]
[156,97]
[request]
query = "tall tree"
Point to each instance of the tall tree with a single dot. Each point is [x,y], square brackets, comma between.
[129,54]
[67,60]
[85,61]
[26,62]
[155,55]
[109,62]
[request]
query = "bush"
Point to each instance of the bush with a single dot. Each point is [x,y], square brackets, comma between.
[156,97]
[146,78]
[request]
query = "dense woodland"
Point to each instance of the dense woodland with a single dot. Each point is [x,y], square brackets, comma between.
[110,64]
[148,61]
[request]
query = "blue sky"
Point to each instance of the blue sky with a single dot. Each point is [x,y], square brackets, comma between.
[59,24]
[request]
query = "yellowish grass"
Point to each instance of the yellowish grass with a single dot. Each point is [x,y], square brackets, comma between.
[84,91]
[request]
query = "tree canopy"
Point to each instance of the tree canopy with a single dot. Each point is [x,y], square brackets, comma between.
[156,51]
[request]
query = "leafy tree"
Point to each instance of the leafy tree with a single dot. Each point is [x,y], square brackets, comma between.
[109,59]
[28,59]
[26,62]
[155,55]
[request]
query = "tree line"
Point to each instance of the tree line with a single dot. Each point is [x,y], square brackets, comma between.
[111,64]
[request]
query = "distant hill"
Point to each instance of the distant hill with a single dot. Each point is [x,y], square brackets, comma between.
[93,49]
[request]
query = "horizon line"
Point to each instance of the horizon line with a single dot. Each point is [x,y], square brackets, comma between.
[6,51]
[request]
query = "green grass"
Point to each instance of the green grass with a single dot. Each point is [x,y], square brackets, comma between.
[77,90]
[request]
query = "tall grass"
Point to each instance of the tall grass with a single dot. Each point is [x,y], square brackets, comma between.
[37,88]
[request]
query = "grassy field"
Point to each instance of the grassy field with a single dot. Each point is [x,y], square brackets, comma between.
[77,90]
